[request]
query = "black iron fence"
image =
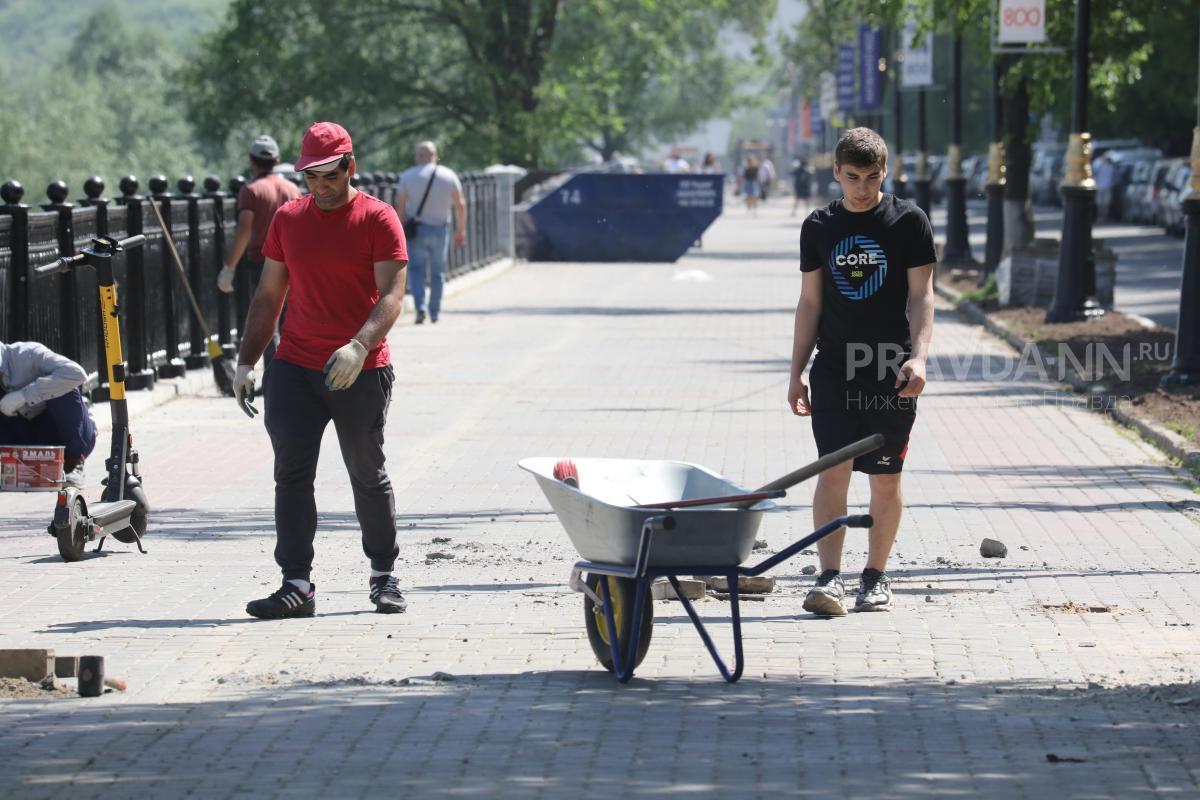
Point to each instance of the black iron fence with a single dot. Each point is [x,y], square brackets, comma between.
[161,335]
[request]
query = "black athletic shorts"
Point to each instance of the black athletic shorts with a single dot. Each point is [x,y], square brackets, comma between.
[844,411]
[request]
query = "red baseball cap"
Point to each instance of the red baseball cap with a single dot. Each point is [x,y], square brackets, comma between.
[323,143]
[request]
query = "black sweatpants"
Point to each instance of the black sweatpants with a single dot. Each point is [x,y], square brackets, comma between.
[298,409]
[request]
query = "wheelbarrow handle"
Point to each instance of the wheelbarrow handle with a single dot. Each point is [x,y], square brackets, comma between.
[748,499]
[850,451]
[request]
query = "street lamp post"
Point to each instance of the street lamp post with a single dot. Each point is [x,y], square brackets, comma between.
[899,178]
[958,246]
[1076,263]
[1185,368]
[996,180]
[921,183]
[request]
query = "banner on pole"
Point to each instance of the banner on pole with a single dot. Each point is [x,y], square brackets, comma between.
[917,69]
[845,78]
[870,80]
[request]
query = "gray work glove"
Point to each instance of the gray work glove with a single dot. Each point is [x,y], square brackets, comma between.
[243,390]
[225,279]
[342,368]
[12,403]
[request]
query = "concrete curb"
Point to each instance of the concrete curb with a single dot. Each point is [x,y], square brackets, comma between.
[1164,439]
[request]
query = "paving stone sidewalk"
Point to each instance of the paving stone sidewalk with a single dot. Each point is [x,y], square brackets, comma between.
[989,678]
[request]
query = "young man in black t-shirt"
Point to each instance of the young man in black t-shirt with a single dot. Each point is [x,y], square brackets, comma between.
[866,304]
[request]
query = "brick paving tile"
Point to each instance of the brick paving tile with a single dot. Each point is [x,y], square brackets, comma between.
[1001,684]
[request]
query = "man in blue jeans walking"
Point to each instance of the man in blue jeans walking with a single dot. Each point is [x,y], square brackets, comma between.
[426,193]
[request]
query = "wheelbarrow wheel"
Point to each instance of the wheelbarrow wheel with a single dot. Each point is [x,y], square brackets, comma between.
[622,591]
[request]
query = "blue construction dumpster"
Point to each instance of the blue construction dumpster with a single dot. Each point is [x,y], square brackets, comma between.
[617,217]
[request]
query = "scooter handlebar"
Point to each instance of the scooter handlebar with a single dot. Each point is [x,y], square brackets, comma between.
[66,262]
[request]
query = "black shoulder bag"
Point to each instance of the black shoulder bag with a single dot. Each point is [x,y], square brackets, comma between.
[411,224]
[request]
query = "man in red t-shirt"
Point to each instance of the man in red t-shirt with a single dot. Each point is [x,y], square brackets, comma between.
[339,257]
[256,202]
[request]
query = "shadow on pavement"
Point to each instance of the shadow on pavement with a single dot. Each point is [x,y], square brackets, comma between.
[575,733]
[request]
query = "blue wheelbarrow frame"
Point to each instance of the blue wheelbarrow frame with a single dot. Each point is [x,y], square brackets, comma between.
[644,574]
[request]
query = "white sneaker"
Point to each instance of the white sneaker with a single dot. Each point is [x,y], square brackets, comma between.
[75,477]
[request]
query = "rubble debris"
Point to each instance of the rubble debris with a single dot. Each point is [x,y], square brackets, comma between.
[757,584]
[663,590]
[992,548]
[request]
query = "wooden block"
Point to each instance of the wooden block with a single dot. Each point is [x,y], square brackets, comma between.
[33,665]
[66,666]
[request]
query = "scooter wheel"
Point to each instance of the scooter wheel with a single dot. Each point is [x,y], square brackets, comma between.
[623,592]
[72,537]
[137,520]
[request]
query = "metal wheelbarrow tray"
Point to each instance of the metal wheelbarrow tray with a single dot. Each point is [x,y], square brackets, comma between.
[636,520]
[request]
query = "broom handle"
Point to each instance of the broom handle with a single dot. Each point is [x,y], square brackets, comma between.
[182,273]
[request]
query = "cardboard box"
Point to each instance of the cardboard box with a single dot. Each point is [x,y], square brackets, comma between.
[31,468]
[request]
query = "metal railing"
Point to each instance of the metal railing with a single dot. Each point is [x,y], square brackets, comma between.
[162,337]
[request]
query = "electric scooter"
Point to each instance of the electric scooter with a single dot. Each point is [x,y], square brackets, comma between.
[123,507]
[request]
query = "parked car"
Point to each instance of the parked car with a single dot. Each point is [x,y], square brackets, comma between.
[975,170]
[1154,187]
[1136,209]
[937,179]
[1113,171]
[1174,188]
[1045,172]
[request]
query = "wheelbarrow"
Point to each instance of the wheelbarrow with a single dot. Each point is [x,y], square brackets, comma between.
[633,521]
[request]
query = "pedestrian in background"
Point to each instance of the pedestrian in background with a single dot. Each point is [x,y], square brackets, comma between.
[801,184]
[750,187]
[425,195]
[866,304]
[676,163]
[257,202]
[41,403]
[710,166]
[766,177]
[338,256]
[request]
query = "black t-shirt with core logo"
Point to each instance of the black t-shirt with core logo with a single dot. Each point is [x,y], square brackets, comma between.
[864,292]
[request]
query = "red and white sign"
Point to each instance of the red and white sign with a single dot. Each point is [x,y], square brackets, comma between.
[1022,22]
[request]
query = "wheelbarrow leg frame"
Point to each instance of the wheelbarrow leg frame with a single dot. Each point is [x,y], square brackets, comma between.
[644,574]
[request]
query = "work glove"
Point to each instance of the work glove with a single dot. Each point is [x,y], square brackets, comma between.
[225,279]
[243,390]
[342,368]
[12,402]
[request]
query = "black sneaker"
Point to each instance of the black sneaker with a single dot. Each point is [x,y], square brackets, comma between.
[874,591]
[287,601]
[385,594]
[825,599]
[420,317]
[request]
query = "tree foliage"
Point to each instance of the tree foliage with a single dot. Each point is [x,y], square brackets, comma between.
[105,106]
[627,72]
[1141,51]
[523,81]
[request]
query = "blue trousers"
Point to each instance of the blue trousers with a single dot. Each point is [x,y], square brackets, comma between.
[65,422]
[428,252]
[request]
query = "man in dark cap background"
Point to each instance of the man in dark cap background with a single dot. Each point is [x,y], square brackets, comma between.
[257,202]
